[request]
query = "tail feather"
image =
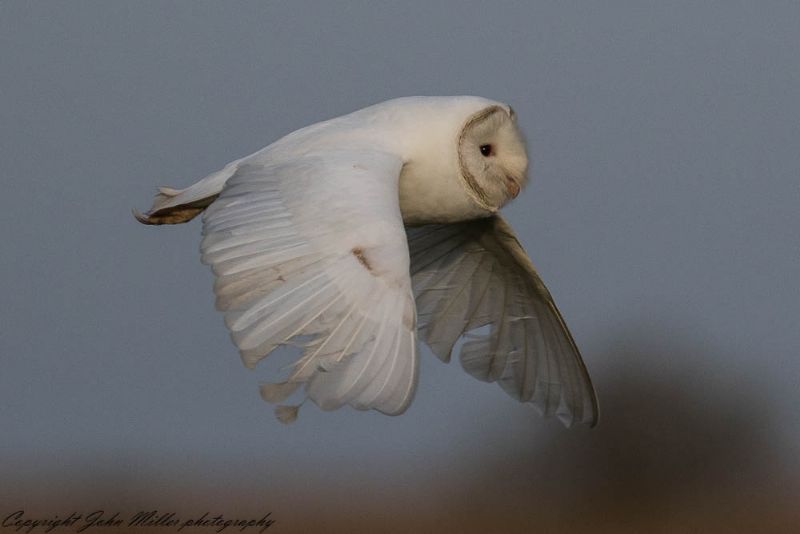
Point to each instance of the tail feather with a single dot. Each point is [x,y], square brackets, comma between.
[175,206]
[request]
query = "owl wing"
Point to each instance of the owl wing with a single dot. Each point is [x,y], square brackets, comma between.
[476,274]
[312,251]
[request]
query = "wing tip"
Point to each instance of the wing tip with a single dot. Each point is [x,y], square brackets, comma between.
[143,218]
[595,410]
[287,414]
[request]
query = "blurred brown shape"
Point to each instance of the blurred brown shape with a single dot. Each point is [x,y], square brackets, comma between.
[682,446]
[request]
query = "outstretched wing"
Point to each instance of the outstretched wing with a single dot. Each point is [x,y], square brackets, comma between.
[473,274]
[313,249]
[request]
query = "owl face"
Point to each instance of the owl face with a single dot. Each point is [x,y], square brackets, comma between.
[492,158]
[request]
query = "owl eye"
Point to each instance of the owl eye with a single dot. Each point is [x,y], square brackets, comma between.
[486,150]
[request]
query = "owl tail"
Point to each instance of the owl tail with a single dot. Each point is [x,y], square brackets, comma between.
[175,206]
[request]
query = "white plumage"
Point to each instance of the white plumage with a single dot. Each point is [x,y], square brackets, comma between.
[329,234]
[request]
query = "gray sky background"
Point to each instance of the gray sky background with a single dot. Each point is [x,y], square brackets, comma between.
[663,214]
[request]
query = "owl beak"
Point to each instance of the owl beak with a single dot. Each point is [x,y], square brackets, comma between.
[513,186]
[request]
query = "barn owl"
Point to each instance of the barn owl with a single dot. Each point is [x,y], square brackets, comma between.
[355,236]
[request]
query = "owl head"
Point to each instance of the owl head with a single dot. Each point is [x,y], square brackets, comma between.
[464,156]
[492,159]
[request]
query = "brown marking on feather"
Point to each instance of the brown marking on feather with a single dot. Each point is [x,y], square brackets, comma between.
[358,252]
[176,214]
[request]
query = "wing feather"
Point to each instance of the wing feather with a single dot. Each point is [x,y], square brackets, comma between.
[473,279]
[297,257]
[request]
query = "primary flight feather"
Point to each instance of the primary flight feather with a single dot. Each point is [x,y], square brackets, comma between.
[356,234]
